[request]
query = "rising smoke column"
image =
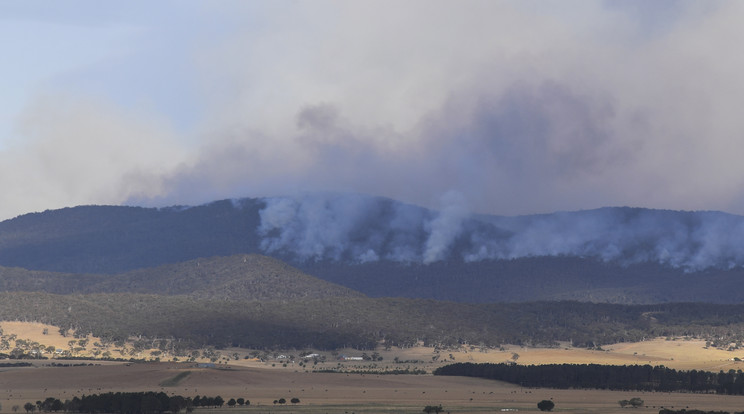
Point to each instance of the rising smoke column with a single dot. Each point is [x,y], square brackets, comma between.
[445,227]
[360,229]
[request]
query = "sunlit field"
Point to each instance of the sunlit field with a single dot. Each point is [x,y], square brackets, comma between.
[263,382]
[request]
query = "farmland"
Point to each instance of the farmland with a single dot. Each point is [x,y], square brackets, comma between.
[263,381]
[327,392]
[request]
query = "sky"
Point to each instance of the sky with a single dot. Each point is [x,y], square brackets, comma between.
[509,107]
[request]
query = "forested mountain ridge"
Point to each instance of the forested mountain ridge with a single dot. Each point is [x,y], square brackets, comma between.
[383,248]
[113,239]
[258,277]
[193,274]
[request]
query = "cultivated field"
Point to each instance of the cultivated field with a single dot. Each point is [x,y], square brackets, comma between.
[324,392]
[262,382]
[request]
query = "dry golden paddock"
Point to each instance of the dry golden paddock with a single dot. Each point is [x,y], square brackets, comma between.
[264,382]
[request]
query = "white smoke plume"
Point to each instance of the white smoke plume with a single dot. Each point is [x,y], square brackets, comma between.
[359,229]
[445,227]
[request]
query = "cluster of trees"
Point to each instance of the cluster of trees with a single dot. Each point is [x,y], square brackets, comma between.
[232,402]
[294,400]
[594,376]
[433,409]
[634,402]
[49,404]
[125,403]
[208,401]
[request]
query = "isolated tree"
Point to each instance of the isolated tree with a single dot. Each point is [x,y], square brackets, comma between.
[623,403]
[294,400]
[29,407]
[636,402]
[546,405]
[282,401]
[433,409]
[231,402]
[240,401]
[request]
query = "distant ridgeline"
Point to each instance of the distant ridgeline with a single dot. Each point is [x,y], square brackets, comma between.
[384,248]
[360,229]
[610,377]
[357,229]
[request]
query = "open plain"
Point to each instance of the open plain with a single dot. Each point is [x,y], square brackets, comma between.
[283,376]
[327,392]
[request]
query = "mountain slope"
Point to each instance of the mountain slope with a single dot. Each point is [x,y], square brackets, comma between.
[238,277]
[384,248]
[537,278]
[109,239]
[15,279]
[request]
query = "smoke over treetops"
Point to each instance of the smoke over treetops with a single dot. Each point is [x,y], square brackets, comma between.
[360,229]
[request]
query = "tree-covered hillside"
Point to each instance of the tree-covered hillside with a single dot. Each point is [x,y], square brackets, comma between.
[329,323]
[109,239]
[381,248]
[238,277]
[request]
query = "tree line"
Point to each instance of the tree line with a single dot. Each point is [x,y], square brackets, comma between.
[127,403]
[611,377]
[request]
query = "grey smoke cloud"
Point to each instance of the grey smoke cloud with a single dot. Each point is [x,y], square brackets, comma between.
[360,229]
[519,107]
[587,119]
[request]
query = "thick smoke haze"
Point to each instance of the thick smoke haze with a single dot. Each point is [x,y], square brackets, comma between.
[518,107]
[361,229]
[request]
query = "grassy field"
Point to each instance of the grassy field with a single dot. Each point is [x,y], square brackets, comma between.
[328,393]
[262,382]
[677,353]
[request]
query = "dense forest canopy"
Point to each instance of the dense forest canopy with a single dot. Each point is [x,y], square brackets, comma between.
[336,322]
